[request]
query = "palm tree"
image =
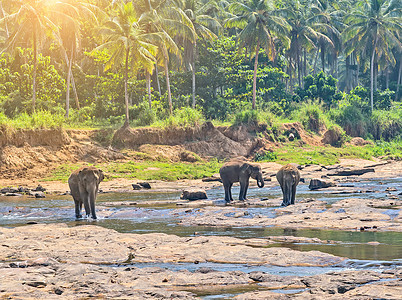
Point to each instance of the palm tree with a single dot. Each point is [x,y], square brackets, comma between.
[259,26]
[125,39]
[373,29]
[32,22]
[200,22]
[163,19]
[303,35]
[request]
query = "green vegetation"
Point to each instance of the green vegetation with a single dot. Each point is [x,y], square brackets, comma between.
[146,170]
[39,119]
[105,64]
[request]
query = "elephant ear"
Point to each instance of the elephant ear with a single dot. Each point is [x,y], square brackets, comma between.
[101,176]
[246,168]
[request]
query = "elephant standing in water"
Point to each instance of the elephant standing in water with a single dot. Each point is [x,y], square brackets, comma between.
[239,171]
[84,184]
[288,177]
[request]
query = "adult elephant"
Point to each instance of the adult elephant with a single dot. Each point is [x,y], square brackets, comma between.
[239,171]
[84,184]
[288,177]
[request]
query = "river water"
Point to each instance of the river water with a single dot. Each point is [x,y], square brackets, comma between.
[152,214]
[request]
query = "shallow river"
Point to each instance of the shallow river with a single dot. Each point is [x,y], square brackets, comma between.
[155,216]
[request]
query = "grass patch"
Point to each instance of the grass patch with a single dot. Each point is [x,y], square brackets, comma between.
[145,170]
[155,170]
[38,120]
[61,173]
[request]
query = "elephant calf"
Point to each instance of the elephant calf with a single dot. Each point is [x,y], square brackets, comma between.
[84,184]
[288,177]
[239,171]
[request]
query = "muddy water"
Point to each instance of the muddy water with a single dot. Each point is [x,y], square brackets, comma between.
[152,214]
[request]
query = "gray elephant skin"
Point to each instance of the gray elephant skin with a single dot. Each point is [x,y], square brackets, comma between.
[288,177]
[239,171]
[84,184]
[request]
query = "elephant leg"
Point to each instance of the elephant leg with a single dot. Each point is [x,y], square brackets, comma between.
[230,192]
[241,194]
[85,200]
[245,191]
[227,187]
[293,194]
[78,204]
[92,198]
[283,196]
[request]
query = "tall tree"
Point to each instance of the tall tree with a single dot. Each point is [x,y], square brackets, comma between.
[204,25]
[32,23]
[126,43]
[259,26]
[164,19]
[373,30]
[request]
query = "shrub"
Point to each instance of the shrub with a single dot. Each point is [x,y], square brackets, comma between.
[184,117]
[312,117]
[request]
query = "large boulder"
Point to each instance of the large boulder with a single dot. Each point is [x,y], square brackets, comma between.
[316,184]
[350,171]
[194,194]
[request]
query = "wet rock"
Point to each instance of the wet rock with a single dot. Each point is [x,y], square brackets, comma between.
[136,186]
[212,179]
[13,195]
[145,185]
[9,190]
[350,171]
[40,195]
[316,184]
[194,194]
[39,188]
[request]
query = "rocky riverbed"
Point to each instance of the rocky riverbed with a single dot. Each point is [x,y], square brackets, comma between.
[339,242]
[56,261]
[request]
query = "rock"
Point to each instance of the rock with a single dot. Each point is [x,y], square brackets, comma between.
[145,185]
[136,186]
[291,137]
[350,172]
[13,195]
[194,194]
[358,141]
[40,195]
[8,190]
[333,136]
[316,184]
[390,189]
[39,188]
[211,179]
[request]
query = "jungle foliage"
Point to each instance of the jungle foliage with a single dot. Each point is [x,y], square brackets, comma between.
[178,63]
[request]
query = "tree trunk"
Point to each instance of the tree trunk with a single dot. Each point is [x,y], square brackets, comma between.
[148,77]
[77,102]
[127,121]
[323,59]
[372,76]
[168,84]
[5,21]
[315,61]
[157,80]
[398,83]
[255,75]
[298,65]
[70,63]
[305,63]
[387,79]
[34,70]
[193,72]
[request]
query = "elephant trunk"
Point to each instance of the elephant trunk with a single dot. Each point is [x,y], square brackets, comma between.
[260,181]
